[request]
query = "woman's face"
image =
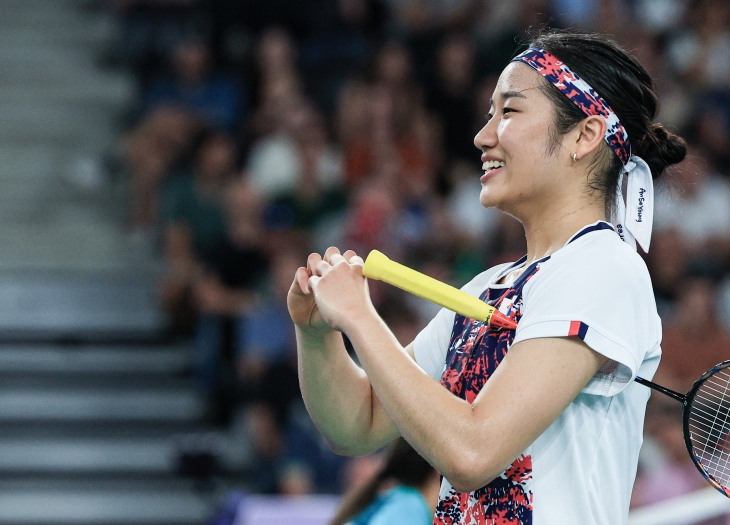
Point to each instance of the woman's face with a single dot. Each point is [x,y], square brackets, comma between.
[517,136]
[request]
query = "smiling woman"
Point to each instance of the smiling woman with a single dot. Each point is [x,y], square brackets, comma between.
[542,424]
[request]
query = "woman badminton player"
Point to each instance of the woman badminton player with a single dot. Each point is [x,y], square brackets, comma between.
[542,424]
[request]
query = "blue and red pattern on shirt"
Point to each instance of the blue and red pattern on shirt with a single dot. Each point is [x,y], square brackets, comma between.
[475,351]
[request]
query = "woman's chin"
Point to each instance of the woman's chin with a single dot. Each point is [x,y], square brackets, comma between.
[487,198]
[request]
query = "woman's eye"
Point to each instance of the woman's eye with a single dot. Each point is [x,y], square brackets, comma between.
[489,116]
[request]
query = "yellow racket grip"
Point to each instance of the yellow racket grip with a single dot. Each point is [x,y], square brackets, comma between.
[379,267]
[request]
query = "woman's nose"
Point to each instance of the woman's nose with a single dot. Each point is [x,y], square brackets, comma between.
[487,136]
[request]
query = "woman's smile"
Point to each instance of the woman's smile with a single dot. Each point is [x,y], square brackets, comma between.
[490,168]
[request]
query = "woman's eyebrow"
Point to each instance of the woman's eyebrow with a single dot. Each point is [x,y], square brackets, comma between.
[512,94]
[508,94]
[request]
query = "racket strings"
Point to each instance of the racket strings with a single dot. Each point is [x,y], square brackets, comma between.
[709,426]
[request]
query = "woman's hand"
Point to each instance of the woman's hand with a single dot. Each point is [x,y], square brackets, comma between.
[329,293]
[300,300]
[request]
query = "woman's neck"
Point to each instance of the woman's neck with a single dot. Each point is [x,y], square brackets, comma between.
[547,232]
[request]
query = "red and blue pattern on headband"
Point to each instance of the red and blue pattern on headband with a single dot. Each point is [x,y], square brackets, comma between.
[582,95]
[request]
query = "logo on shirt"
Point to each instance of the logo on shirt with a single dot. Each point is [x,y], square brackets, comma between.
[506,306]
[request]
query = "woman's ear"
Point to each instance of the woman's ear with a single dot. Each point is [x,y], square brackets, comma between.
[588,135]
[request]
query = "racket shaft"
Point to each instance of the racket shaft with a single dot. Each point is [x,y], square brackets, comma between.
[659,388]
[379,267]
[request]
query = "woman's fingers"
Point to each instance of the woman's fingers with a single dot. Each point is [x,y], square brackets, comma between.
[318,266]
[301,277]
[336,258]
[331,257]
[356,260]
[313,281]
[331,251]
[321,268]
[353,258]
[312,261]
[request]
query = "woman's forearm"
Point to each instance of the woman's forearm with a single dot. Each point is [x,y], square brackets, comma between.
[434,421]
[338,395]
[471,444]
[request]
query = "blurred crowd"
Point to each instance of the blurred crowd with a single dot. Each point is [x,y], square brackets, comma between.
[268,129]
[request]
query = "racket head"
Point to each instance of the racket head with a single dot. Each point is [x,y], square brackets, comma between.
[706,426]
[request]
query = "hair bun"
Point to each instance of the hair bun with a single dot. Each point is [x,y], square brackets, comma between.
[661,148]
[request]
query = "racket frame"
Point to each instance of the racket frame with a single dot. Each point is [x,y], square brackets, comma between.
[686,401]
[687,405]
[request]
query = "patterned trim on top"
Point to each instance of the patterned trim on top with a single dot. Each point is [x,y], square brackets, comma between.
[578,328]
[600,225]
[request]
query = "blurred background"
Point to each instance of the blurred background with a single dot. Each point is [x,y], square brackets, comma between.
[166,165]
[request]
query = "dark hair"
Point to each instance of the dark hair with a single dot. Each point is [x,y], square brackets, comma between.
[402,464]
[627,87]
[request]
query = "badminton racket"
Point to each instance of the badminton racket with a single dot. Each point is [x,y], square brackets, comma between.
[705,408]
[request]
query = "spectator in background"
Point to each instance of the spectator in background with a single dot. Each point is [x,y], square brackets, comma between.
[194,221]
[451,96]
[151,151]
[403,492]
[501,26]
[581,13]
[662,16]
[701,53]
[239,259]
[307,461]
[508,243]
[314,190]
[370,220]
[439,241]
[338,41]
[196,88]
[712,125]
[391,140]
[424,18]
[360,470]
[668,263]
[463,178]
[476,225]
[693,339]
[265,342]
[386,129]
[233,273]
[399,316]
[423,23]
[296,154]
[268,384]
[278,85]
[393,69]
[149,31]
[700,214]
[266,444]
[614,18]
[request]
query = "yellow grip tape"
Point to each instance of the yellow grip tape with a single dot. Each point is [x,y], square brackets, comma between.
[380,268]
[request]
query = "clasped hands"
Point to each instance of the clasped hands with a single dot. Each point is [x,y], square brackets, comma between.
[329,293]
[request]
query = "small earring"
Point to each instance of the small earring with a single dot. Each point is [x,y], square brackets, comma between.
[575,157]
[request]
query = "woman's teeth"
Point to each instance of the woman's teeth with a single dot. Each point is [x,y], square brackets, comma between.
[491,164]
